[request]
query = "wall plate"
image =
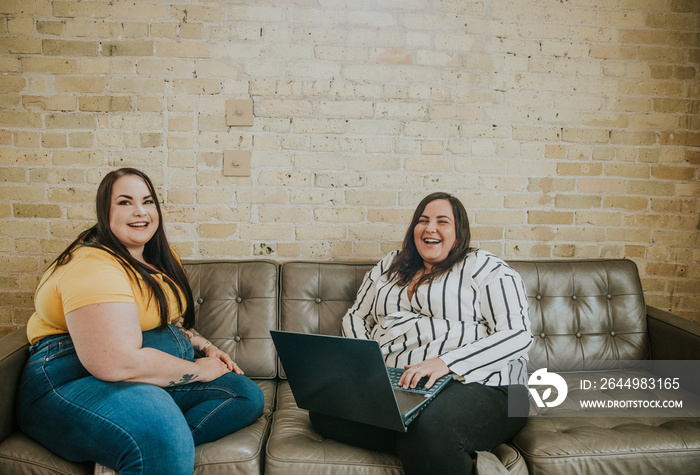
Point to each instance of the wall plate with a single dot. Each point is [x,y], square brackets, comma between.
[236,163]
[239,112]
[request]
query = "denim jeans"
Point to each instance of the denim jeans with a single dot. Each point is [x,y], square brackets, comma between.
[135,428]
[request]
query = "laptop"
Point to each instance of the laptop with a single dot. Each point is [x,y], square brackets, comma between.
[347,378]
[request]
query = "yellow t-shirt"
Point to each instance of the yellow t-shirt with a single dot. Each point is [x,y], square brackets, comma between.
[92,276]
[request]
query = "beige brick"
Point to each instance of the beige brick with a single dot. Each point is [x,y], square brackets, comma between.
[550,217]
[26,139]
[151,140]
[279,214]
[36,210]
[182,49]
[215,230]
[598,218]
[267,231]
[20,45]
[627,170]
[104,103]
[601,185]
[80,84]
[81,139]
[81,9]
[530,233]
[568,201]
[338,180]
[321,233]
[626,202]
[579,169]
[128,48]
[227,248]
[197,86]
[69,47]
[288,250]
[23,158]
[429,164]
[381,232]
[375,198]
[650,188]
[279,107]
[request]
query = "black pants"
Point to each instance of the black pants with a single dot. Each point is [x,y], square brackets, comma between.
[462,419]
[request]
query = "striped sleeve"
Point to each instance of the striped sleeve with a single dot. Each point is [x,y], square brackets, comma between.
[360,317]
[504,308]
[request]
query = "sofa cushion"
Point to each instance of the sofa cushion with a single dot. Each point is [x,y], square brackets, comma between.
[235,308]
[559,446]
[295,447]
[584,311]
[243,451]
[315,296]
[568,441]
[20,455]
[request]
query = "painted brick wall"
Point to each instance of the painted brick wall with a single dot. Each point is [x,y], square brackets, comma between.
[569,128]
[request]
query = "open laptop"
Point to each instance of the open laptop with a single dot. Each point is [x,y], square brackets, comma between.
[347,378]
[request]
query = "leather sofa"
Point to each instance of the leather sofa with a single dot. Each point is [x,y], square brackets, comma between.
[581,311]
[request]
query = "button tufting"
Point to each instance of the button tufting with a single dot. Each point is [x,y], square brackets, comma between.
[239,300]
[609,296]
[612,333]
[578,335]
[200,300]
[573,297]
[538,297]
[237,338]
[318,300]
[542,335]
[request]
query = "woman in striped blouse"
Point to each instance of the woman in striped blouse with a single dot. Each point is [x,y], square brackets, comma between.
[439,307]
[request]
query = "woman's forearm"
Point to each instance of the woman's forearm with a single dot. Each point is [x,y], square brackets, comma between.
[108,341]
[199,343]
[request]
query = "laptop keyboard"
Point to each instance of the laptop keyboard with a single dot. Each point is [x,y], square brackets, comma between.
[395,376]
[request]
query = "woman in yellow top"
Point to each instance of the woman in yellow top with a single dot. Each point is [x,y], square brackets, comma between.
[111,375]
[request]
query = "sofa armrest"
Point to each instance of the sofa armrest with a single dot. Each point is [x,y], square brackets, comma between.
[672,337]
[14,351]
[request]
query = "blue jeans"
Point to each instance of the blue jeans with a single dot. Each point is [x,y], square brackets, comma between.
[135,428]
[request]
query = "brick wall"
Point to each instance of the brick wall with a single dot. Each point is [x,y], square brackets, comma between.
[569,128]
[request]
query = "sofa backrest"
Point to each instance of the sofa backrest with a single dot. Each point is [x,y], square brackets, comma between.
[581,310]
[584,311]
[588,311]
[236,306]
[314,296]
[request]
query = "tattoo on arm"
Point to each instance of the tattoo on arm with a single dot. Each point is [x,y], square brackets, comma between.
[198,342]
[186,378]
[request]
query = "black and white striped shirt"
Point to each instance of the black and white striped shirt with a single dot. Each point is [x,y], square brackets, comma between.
[475,318]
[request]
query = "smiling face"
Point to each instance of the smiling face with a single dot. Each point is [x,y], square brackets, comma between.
[434,234]
[133,215]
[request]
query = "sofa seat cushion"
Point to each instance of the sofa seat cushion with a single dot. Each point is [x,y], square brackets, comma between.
[295,447]
[21,455]
[241,452]
[559,446]
[565,442]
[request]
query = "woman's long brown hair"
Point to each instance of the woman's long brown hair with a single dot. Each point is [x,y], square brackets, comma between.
[157,251]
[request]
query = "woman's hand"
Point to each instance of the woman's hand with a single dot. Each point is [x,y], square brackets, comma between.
[210,369]
[434,368]
[213,352]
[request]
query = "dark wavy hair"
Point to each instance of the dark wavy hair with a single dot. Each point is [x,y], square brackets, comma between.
[157,251]
[409,261]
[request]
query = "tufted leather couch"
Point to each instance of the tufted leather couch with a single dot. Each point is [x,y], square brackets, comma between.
[581,311]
